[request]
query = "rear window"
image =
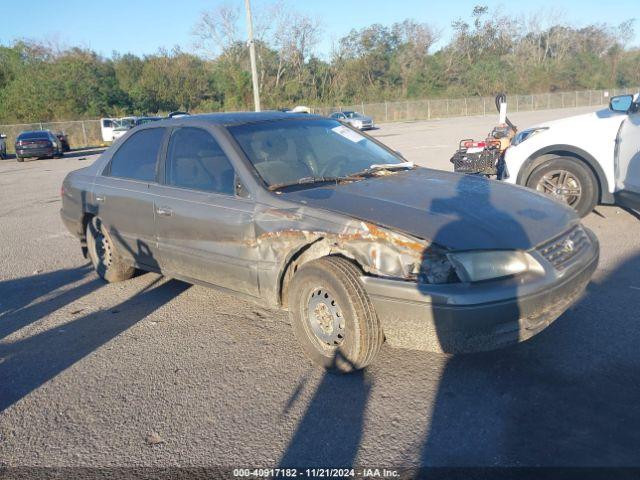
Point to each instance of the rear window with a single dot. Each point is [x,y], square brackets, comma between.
[137,157]
[33,135]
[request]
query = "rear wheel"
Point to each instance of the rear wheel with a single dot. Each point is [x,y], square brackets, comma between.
[568,181]
[105,259]
[19,159]
[332,315]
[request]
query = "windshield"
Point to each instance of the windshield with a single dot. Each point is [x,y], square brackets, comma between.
[37,134]
[285,151]
[124,123]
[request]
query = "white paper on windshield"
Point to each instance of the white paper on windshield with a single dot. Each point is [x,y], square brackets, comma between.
[348,133]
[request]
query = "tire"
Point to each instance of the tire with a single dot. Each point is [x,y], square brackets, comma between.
[342,333]
[567,175]
[104,257]
[19,159]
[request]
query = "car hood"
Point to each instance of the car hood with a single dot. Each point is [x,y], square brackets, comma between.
[458,212]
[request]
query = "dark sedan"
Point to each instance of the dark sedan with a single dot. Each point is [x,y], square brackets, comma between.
[38,143]
[310,215]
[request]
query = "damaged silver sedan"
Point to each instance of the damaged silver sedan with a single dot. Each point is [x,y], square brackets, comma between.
[307,214]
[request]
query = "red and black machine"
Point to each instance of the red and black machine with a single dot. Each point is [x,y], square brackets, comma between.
[486,157]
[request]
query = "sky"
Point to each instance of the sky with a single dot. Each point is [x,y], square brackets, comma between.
[143,26]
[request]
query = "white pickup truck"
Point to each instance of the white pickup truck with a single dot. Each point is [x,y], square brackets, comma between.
[582,160]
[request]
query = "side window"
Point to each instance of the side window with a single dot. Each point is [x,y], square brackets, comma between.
[196,161]
[136,158]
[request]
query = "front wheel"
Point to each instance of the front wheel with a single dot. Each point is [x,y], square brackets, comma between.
[567,180]
[332,315]
[108,265]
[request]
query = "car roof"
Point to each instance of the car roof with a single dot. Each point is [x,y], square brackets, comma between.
[234,118]
[30,132]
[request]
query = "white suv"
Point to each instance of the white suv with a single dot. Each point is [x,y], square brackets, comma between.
[582,160]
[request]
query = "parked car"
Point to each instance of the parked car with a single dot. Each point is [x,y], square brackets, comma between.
[304,213]
[355,119]
[38,143]
[177,114]
[106,128]
[296,109]
[127,123]
[64,140]
[122,126]
[582,160]
[3,146]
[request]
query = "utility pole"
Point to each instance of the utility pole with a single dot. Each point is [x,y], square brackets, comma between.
[252,54]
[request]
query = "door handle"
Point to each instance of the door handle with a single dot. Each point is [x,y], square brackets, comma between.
[164,211]
[100,198]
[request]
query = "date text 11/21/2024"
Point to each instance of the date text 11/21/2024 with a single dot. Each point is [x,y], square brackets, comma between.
[316,473]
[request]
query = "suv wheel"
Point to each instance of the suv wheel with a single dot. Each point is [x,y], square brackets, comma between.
[332,315]
[568,181]
[105,259]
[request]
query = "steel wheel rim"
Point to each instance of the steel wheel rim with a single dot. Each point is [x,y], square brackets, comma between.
[102,245]
[562,185]
[325,319]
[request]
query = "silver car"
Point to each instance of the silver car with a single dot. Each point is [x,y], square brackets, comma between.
[355,119]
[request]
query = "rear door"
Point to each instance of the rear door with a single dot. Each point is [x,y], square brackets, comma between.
[123,198]
[205,230]
[628,162]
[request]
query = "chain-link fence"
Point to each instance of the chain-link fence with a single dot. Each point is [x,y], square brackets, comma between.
[408,110]
[86,133]
[81,133]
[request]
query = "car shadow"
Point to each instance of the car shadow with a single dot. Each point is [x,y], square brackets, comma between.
[331,429]
[27,364]
[84,152]
[28,299]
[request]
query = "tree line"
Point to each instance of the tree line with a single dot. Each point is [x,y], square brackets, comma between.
[487,53]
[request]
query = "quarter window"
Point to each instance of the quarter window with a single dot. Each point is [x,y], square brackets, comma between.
[136,158]
[196,161]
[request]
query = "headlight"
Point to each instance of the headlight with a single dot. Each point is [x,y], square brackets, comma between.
[484,265]
[528,133]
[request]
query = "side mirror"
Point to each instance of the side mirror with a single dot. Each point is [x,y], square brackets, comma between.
[621,103]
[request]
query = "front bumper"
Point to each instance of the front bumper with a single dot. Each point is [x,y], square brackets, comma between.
[456,318]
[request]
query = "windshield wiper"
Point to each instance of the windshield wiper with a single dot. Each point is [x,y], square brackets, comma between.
[307,181]
[379,167]
[367,171]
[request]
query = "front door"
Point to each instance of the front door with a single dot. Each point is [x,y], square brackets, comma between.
[123,199]
[628,162]
[204,230]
